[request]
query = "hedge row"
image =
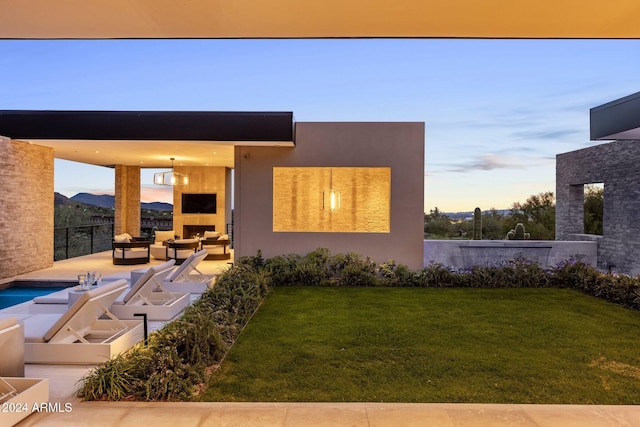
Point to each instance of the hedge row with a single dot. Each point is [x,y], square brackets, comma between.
[177,357]
[320,268]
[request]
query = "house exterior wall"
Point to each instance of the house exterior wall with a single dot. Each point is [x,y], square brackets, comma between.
[617,165]
[399,146]
[26,211]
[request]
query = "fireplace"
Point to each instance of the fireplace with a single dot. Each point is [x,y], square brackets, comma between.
[189,231]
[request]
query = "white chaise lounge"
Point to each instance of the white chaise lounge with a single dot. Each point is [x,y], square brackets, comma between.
[187,277]
[18,395]
[147,295]
[81,335]
[12,345]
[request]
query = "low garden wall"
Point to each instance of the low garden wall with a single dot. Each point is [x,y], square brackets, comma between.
[468,253]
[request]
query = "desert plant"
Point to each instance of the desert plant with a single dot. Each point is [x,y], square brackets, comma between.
[518,233]
[113,380]
[477,224]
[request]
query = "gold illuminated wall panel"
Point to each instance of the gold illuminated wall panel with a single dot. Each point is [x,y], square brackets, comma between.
[365,199]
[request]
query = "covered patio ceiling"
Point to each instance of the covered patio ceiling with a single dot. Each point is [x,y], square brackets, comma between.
[43,19]
[148,138]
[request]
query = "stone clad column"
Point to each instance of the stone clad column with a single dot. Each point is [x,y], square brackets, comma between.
[127,189]
[26,207]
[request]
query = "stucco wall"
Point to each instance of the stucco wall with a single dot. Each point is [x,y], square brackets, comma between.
[617,165]
[399,146]
[468,253]
[26,211]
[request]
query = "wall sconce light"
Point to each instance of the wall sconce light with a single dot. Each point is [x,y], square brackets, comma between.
[331,197]
[170,177]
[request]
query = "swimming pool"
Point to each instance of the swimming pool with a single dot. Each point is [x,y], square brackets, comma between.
[20,294]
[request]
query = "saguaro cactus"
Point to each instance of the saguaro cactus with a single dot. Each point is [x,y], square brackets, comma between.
[477,224]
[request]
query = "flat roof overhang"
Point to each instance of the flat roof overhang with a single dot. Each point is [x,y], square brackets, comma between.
[148,138]
[81,19]
[616,120]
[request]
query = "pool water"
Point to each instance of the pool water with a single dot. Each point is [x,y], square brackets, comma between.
[13,296]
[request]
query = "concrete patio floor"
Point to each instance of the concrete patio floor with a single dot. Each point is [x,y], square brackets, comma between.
[63,380]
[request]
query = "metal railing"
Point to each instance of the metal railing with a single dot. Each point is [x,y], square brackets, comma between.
[70,242]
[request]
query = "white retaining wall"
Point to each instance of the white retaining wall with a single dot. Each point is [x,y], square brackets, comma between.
[467,253]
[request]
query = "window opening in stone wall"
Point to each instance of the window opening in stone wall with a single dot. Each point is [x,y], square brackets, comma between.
[593,208]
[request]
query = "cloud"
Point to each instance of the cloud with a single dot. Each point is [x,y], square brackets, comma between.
[487,163]
[547,134]
[494,162]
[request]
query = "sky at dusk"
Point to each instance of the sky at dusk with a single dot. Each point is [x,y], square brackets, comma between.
[496,112]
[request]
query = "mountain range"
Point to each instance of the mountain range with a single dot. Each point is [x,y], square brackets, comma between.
[468,215]
[105,201]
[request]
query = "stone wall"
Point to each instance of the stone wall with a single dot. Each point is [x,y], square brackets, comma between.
[617,165]
[26,210]
[203,179]
[127,204]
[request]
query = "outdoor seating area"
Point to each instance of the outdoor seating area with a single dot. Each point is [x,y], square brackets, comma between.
[168,245]
[50,343]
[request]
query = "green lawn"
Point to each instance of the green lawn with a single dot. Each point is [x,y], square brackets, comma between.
[434,345]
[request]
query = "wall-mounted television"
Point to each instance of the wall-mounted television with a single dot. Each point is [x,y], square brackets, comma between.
[198,203]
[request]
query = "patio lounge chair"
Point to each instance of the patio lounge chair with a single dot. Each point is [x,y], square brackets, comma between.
[147,295]
[81,335]
[18,395]
[187,277]
[12,345]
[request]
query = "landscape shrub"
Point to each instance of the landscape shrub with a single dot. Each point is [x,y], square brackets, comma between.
[281,269]
[359,272]
[399,275]
[321,268]
[436,275]
[177,356]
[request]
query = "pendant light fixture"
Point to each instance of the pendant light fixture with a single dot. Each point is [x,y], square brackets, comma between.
[170,177]
[330,197]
